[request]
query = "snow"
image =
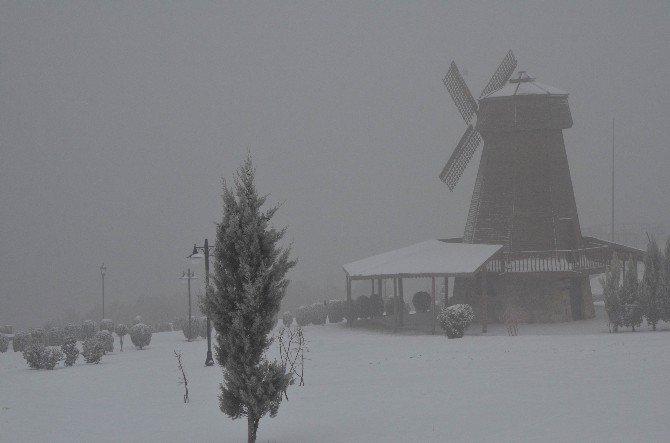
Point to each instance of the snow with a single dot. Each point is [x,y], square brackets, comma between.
[526,88]
[432,257]
[558,382]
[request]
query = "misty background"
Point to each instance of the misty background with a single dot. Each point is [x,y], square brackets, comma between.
[119,119]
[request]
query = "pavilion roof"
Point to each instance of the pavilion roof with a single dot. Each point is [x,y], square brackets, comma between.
[432,258]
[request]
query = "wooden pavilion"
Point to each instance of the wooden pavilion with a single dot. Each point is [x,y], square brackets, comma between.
[434,259]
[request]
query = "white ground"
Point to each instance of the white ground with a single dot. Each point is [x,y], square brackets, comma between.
[566,382]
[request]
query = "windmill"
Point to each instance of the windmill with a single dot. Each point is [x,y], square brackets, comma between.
[523,196]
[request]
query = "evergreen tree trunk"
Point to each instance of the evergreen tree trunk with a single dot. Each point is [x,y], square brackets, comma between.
[252,428]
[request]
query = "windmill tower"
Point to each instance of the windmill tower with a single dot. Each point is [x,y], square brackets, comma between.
[523,196]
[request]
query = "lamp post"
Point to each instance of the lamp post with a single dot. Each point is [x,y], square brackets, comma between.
[103,269]
[195,257]
[188,276]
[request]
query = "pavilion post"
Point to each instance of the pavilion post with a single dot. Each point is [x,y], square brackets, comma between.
[350,308]
[372,286]
[446,291]
[433,305]
[401,302]
[379,288]
[484,302]
[395,304]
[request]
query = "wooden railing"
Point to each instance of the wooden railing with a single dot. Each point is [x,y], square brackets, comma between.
[573,260]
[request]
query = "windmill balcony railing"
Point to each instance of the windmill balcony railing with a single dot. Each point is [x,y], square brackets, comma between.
[591,260]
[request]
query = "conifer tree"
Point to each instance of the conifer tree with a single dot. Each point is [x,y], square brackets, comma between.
[612,293]
[651,287]
[631,299]
[249,284]
[665,281]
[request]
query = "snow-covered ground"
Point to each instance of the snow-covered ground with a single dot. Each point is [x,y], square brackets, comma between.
[565,382]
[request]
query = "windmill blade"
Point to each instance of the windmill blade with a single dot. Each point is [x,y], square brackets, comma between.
[460,158]
[460,93]
[502,74]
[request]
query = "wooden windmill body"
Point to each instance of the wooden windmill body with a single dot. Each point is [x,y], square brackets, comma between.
[523,196]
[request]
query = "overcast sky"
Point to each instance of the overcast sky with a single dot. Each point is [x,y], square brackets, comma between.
[118,120]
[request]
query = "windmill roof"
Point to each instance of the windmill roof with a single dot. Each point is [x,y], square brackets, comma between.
[425,259]
[525,87]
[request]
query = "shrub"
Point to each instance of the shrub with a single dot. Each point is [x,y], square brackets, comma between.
[107,325]
[456,319]
[33,354]
[4,343]
[70,350]
[335,310]
[52,355]
[39,356]
[92,350]
[140,335]
[20,341]
[287,319]
[88,329]
[362,307]
[195,325]
[317,314]
[55,336]
[512,316]
[106,339]
[72,330]
[376,305]
[38,335]
[302,316]
[421,301]
[121,331]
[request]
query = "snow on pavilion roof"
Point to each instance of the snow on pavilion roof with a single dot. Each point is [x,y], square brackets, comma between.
[431,258]
[525,88]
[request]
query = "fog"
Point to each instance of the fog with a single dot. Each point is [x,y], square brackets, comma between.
[119,119]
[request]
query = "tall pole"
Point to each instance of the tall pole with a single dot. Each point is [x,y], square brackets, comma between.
[102,273]
[209,361]
[612,221]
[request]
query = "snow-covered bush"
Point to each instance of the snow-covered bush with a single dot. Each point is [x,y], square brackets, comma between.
[70,350]
[52,355]
[89,328]
[362,307]
[421,301]
[106,339]
[302,316]
[335,309]
[4,343]
[39,356]
[140,335]
[376,305]
[38,335]
[20,341]
[121,331]
[287,319]
[456,319]
[72,330]
[107,325]
[195,326]
[92,350]
[55,336]
[317,314]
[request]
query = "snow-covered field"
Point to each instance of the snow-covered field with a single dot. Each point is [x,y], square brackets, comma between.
[566,382]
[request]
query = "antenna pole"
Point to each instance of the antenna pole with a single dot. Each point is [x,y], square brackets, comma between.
[612,221]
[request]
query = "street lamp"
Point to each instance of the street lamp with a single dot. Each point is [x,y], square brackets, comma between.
[103,269]
[188,276]
[195,258]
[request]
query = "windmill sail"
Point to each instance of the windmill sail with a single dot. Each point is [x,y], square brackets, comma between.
[460,158]
[460,93]
[501,75]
